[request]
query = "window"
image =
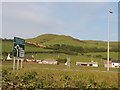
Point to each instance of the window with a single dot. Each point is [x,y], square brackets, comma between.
[90,64]
[83,64]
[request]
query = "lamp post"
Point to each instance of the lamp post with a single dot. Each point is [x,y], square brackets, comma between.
[110,11]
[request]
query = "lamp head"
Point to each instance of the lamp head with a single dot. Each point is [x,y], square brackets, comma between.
[110,11]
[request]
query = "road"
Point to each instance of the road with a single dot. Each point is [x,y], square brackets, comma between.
[73,69]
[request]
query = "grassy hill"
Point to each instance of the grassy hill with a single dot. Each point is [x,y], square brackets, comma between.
[57,76]
[7,46]
[51,39]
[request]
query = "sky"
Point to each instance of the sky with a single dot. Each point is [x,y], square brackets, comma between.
[81,20]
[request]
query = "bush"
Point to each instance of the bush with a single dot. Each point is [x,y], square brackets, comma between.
[62,60]
[31,80]
[99,56]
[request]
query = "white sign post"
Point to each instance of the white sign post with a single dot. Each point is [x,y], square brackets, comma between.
[68,62]
[18,64]
[14,63]
[18,52]
[21,63]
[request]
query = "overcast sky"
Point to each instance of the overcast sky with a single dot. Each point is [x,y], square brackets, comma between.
[81,20]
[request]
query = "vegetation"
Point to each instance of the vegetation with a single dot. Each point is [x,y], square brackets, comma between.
[34,78]
[61,47]
[74,47]
[52,39]
[7,47]
[30,65]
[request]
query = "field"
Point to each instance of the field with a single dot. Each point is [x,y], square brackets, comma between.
[87,57]
[76,58]
[7,46]
[46,76]
[35,75]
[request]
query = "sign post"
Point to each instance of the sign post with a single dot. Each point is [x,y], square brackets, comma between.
[21,63]
[18,51]
[68,62]
[18,64]
[14,63]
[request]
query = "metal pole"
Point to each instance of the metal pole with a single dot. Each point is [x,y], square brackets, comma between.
[17,64]
[14,63]
[108,42]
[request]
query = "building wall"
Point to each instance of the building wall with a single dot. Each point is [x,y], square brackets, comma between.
[87,64]
[95,65]
[110,65]
[115,65]
[29,60]
[8,57]
[49,62]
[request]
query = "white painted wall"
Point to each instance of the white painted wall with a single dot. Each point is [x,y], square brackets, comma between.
[95,65]
[8,57]
[115,65]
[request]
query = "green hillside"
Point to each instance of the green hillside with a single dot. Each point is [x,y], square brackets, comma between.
[61,47]
[7,46]
[72,48]
[51,39]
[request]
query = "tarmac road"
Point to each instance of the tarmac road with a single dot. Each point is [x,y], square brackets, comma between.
[73,69]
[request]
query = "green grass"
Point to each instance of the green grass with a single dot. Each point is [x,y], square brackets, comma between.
[76,58]
[8,64]
[75,75]
[113,55]
[73,58]
[51,39]
[7,46]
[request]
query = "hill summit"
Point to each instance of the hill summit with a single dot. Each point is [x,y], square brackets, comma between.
[51,39]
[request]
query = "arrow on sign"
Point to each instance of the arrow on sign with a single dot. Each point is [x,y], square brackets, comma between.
[17,47]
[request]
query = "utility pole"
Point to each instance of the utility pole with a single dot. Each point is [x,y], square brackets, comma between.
[108,49]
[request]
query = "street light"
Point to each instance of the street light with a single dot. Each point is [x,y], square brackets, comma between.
[110,11]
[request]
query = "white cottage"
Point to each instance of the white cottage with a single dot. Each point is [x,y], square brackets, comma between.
[27,58]
[49,61]
[113,64]
[92,64]
[9,57]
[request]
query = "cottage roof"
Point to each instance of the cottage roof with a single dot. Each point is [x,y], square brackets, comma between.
[112,61]
[105,62]
[49,59]
[11,56]
[117,61]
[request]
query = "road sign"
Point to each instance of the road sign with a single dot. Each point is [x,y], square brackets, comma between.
[19,47]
